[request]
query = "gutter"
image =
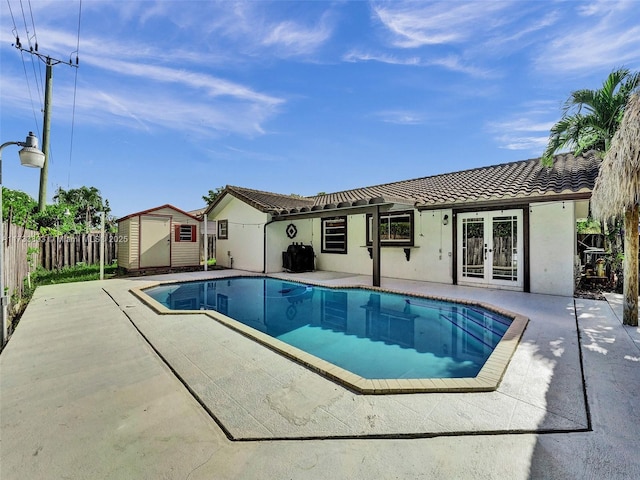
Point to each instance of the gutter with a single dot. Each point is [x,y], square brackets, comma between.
[478,203]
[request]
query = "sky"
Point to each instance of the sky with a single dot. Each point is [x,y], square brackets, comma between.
[172,99]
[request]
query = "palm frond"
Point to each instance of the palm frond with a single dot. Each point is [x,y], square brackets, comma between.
[591,117]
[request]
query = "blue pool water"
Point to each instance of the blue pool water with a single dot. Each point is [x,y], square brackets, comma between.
[373,334]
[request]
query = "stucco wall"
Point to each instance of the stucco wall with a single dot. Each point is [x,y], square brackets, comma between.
[552,247]
[430,257]
[278,241]
[245,243]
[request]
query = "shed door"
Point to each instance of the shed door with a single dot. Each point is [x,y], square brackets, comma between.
[155,241]
[490,251]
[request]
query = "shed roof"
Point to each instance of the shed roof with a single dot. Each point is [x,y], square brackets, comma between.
[569,177]
[151,210]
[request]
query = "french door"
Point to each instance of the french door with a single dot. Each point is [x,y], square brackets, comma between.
[490,248]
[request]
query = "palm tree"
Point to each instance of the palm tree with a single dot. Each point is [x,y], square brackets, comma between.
[591,117]
[617,189]
[88,203]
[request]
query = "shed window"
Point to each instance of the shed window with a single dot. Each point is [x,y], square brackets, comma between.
[223,229]
[185,233]
[334,235]
[396,228]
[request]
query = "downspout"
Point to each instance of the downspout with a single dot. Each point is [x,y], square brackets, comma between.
[264,249]
[375,247]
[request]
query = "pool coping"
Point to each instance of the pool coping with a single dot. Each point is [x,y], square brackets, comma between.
[488,378]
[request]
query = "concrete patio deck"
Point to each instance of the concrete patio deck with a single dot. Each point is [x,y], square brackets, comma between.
[94,384]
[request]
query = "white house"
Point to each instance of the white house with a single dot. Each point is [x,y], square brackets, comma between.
[510,226]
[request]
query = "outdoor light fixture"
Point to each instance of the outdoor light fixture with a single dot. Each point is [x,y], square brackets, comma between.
[30,156]
[445,220]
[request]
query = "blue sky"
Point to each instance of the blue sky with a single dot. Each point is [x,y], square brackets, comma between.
[173,98]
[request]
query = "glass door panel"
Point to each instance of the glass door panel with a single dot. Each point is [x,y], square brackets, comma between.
[505,248]
[473,244]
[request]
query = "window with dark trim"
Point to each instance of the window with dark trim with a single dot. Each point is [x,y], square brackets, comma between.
[185,233]
[334,235]
[396,228]
[223,229]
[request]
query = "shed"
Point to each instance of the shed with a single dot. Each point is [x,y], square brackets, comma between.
[160,237]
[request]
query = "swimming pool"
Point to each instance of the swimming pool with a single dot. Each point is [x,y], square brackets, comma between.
[380,340]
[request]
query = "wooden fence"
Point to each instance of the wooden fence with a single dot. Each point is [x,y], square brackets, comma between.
[69,250]
[25,250]
[21,255]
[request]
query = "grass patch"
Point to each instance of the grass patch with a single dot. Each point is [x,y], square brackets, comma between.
[77,273]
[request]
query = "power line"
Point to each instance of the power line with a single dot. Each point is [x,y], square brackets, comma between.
[31,49]
[35,35]
[75,89]
[24,67]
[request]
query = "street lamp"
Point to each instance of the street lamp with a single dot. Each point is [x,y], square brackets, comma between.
[30,156]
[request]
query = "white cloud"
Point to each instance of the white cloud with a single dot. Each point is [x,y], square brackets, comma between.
[213,86]
[609,37]
[291,38]
[131,109]
[452,62]
[401,117]
[524,130]
[522,36]
[415,24]
[536,144]
[521,125]
[358,56]
[456,64]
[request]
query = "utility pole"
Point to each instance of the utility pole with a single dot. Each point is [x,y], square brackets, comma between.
[46,125]
[46,131]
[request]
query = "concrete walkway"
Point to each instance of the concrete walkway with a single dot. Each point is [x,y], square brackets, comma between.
[83,395]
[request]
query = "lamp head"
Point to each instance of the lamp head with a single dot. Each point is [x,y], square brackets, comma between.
[30,154]
[31,141]
[31,157]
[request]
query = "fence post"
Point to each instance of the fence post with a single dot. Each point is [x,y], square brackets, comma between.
[101,245]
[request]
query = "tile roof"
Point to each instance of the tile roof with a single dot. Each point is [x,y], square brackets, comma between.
[268,201]
[526,179]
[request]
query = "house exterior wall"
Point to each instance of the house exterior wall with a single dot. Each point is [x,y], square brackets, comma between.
[429,257]
[245,242]
[552,235]
[551,245]
[278,241]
